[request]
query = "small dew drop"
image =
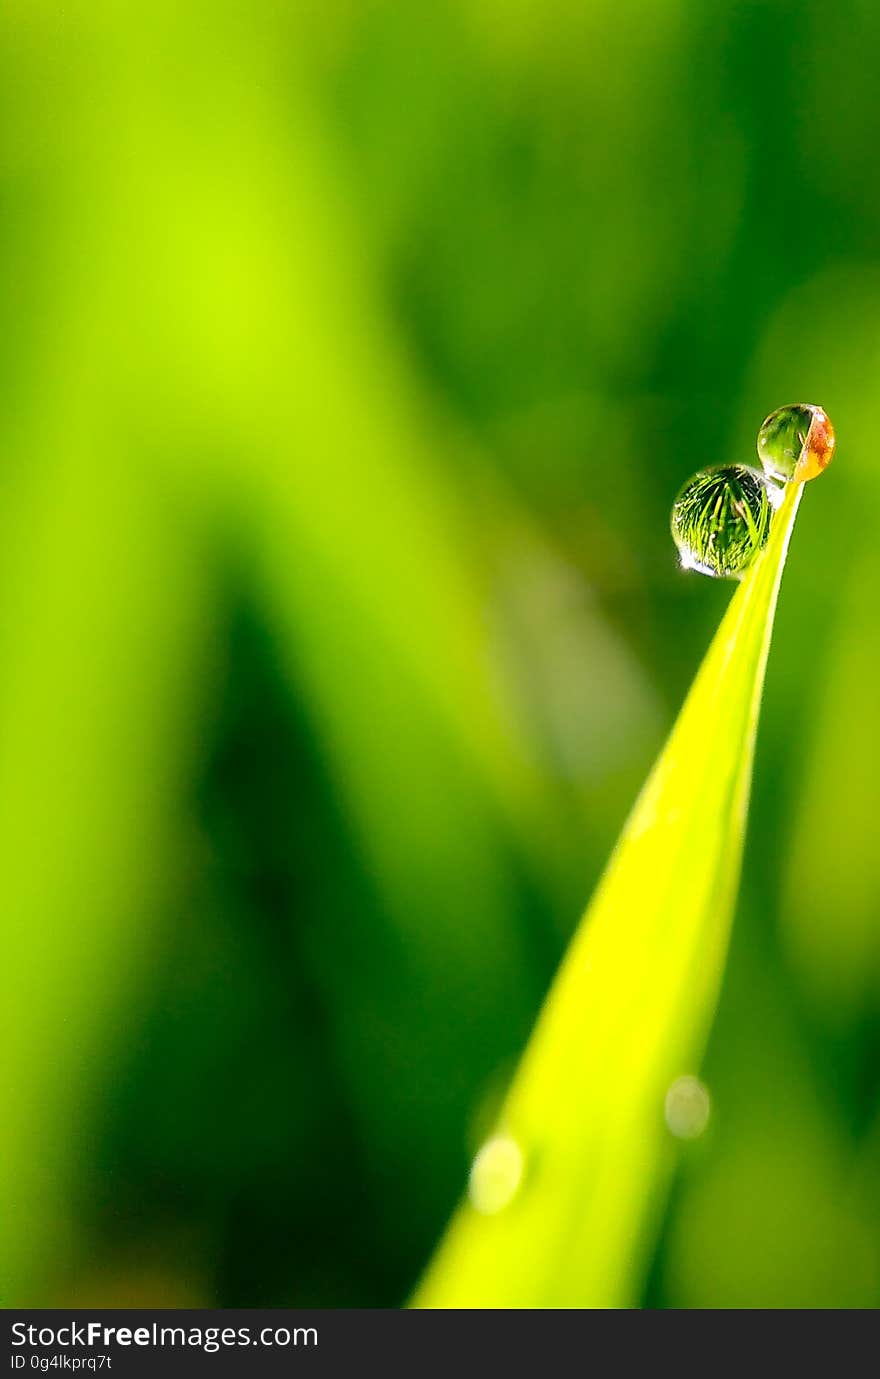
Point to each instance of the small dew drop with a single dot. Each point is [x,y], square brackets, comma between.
[496,1174]
[721,519]
[796,442]
[687,1108]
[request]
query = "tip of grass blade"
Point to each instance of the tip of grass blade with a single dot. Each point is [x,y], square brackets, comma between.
[629,1011]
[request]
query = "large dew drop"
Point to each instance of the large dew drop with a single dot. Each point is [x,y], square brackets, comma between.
[721,519]
[796,442]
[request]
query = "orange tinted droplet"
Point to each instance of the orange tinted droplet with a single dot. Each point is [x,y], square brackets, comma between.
[819,448]
[795,442]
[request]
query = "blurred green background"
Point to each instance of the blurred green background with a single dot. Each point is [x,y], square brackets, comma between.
[352,355]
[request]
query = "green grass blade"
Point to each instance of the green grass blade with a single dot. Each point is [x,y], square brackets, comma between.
[631,1006]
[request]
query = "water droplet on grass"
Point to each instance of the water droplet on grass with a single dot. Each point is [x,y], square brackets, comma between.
[687,1108]
[721,519]
[796,442]
[496,1174]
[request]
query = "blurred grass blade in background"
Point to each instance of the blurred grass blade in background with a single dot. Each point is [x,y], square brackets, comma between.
[563,1197]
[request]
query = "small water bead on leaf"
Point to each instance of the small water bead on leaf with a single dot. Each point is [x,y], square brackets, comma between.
[782,438]
[496,1175]
[687,1107]
[721,519]
[796,442]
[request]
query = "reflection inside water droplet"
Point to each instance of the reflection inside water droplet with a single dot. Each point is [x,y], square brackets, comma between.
[687,1108]
[721,519]
[496,1174]
[796,442]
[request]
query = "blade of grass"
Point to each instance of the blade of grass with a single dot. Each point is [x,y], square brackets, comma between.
[629,1010]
